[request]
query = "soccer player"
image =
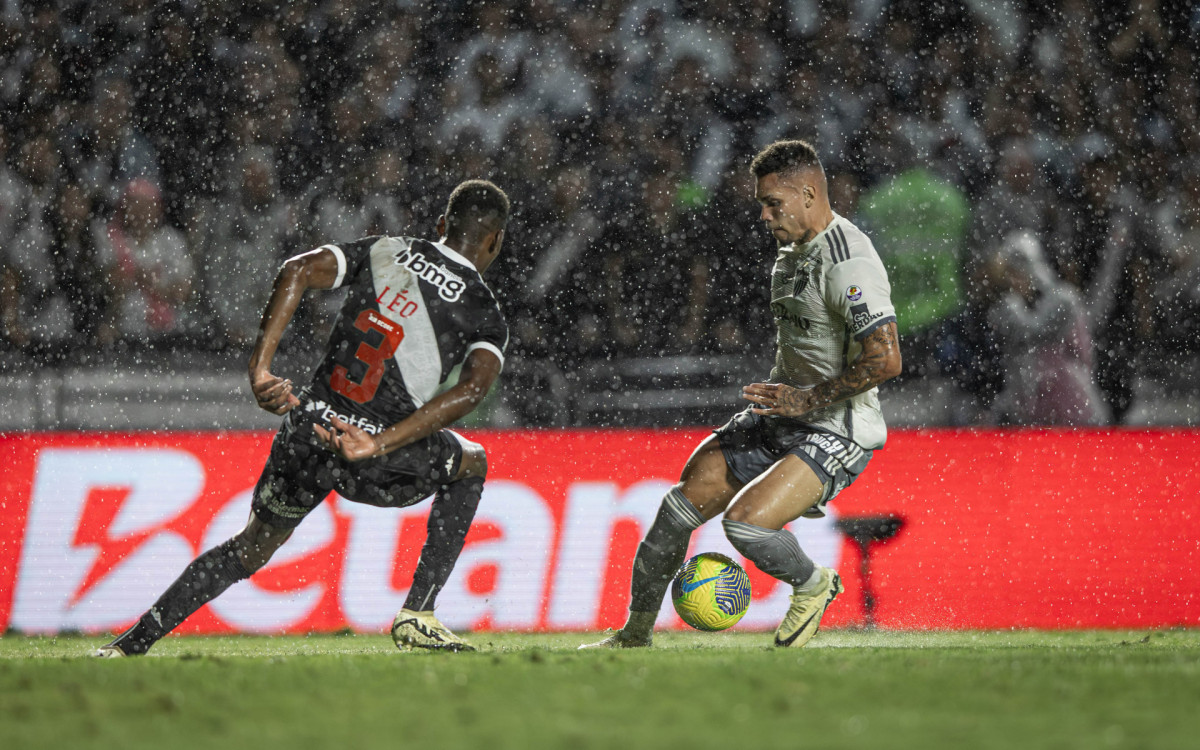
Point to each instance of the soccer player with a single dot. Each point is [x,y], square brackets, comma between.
[811,430]
[369,424]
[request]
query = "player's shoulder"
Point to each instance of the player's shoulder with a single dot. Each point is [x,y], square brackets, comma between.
[843,241]
[346,249]
[362,243]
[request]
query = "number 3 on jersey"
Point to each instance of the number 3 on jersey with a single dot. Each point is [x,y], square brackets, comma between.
[375,358]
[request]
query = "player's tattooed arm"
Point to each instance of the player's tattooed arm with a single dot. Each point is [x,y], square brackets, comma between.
[879,361]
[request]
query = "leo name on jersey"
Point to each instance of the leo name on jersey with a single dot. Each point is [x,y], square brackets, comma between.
[414,310]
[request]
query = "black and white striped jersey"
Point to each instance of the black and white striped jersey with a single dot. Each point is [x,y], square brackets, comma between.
[827,295]
[414,310]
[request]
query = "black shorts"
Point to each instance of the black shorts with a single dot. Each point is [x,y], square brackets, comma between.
[753,443]
[301,472]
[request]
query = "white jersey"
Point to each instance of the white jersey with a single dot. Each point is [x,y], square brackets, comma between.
[826,296]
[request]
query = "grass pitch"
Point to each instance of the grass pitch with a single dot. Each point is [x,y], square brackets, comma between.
[1098,689]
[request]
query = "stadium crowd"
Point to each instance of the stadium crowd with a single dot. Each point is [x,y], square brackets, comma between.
[1029,172]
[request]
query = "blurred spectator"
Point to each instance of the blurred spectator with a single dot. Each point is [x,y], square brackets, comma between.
[919,223]
[548,316]
[387,200]
[656,295]
[178,89]
[738,318]
[1177,297]
[242,238]
[35,307]
[74,254]
[487,106]
[387,82]
[112,153]
[1047,350]
[149,268]
[554,68]
[689,119]
[1016,200]
[10,191]
[1109,254]
[495,35]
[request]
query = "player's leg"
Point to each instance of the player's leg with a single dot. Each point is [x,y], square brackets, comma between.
[754,524]
[450,517]
[206,578]
[292,483]
[704,491]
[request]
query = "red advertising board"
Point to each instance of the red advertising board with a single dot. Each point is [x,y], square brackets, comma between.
[1000,529]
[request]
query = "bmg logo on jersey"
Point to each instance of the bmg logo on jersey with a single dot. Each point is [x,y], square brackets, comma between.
[450,286]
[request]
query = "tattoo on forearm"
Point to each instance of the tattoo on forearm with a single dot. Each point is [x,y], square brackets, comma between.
[793,400]
[866,372]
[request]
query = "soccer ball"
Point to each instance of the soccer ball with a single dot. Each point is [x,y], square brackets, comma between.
[711,592]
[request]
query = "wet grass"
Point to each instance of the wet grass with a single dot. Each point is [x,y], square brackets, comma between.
[1020,689]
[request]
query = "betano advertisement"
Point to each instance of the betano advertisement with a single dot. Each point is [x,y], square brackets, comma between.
[998,529]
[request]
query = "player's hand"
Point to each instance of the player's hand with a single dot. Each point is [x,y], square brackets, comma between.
[778,400]
[272,393]
[350,442]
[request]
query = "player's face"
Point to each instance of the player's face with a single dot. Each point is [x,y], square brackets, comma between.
[788,204]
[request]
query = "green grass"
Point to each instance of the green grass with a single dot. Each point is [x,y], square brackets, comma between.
[1096,689]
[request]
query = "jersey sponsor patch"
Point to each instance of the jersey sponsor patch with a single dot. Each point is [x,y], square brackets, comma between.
[782,313]
[853,293]
[861,317]
[450,285]
[324,412]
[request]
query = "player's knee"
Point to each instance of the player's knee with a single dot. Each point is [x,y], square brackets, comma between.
[693,494]
[474,461]
[739,513]
[708,499]
[257,543]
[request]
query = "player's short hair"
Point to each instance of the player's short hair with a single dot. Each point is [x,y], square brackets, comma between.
[476,204]
[784,157]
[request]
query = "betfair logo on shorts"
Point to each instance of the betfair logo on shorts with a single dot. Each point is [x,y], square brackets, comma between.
[449,285]
[324,412]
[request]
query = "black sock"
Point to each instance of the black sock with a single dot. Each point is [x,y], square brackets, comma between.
[662,551]
[449,519]
[204,580]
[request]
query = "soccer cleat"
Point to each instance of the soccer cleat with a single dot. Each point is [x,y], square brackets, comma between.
[422,630]
[108,652]
[620,640]
[804,616]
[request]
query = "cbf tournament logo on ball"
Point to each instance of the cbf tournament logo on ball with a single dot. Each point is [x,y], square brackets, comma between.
[853,293]
[711,592]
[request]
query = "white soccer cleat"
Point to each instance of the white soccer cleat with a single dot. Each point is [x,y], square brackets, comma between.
[108,652]
[804,616]
[620,640]
[422,630]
